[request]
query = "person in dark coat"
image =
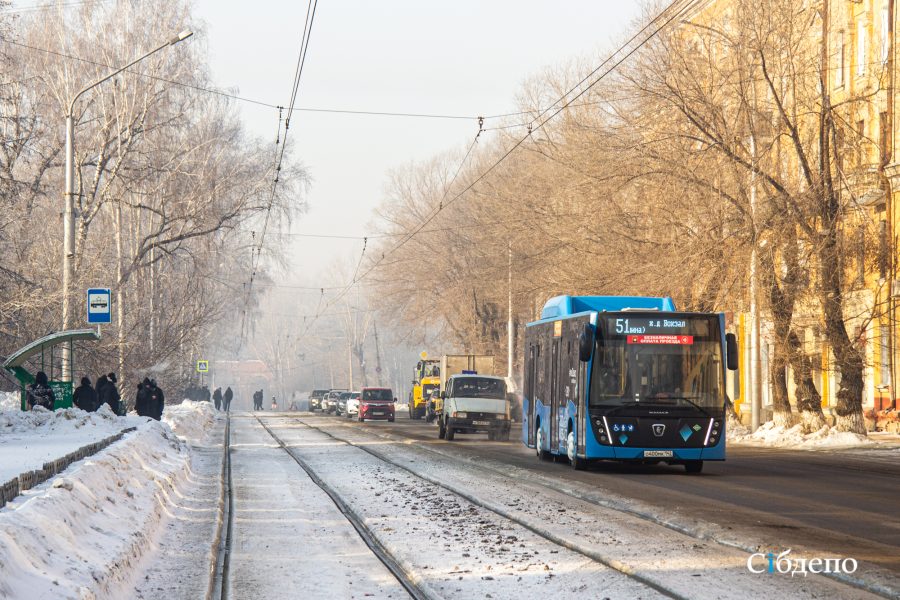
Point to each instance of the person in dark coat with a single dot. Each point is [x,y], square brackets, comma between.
[158,400]
[217,398]
[226,400]
[102,382]
[206,393]
[110,394]
[39,393]
[142,401]
[85,396]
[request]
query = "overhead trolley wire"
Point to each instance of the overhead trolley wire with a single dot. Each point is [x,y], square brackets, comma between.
[521,140]
[280,145]
[687,5]
[239,98]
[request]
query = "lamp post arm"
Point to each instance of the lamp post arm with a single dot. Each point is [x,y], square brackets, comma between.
[111,75]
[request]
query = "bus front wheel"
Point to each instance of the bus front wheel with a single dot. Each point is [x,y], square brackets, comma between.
[572,451]
[695,466]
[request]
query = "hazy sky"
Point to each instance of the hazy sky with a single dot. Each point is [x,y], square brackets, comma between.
[462,57]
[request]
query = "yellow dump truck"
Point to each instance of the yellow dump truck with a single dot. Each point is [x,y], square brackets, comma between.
[426,379]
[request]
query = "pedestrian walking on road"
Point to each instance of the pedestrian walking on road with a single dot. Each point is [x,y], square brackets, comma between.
[274,403]
[85,396]
[226,400]
[217,398]
[39,393]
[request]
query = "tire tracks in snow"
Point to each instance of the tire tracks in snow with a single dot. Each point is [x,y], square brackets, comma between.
[547,535]
[852,582]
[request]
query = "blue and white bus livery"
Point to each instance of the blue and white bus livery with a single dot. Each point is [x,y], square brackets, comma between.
[626,378]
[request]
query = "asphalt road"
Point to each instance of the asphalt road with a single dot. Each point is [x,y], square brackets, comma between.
[833,503]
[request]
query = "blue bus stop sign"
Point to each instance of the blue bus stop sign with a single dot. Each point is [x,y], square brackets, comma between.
[98,305]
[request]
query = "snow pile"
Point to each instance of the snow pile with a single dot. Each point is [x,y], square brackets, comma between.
[779,436]
[29,439]
[10,401]
[734,429]
[191,421]
[79,534]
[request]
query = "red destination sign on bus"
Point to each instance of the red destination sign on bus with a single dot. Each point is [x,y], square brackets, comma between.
[681,340]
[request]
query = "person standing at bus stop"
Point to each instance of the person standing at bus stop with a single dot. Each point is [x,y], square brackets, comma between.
[39,393]
[85,396]
[217,398]
[110,395]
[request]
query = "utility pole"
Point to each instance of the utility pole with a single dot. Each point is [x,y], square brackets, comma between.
[377,352]
[755,378]
[509,322]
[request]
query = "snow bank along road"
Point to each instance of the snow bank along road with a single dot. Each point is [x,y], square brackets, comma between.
[455,528]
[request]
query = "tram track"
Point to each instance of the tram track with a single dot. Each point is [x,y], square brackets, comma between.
[408,581]
[843,579]
[546,535]
[218,588]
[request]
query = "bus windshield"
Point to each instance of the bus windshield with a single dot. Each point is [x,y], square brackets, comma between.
[677,362]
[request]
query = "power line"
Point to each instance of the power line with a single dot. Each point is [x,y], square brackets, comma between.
[279,151]
[497,163]
[485,173]
[239,98]
[38,7]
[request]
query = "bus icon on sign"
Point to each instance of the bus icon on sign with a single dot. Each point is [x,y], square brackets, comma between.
[98,305]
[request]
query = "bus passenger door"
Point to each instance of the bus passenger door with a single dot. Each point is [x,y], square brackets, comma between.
[554,396]
[581,408]
[530,417]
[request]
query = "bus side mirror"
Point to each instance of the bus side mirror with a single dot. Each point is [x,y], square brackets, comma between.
[731,351]
[586,343]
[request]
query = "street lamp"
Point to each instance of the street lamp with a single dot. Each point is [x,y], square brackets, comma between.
[69,214]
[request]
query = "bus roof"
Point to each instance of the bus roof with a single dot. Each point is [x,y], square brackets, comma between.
[564,306]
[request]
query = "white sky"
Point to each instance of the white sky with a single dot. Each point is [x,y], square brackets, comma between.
[464,57]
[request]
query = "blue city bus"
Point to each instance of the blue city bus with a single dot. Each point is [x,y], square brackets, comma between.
[626,379]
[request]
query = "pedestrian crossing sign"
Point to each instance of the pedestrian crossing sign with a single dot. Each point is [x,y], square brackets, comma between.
[203,366]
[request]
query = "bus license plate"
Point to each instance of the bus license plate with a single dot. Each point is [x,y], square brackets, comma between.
[481,422]
[657,454]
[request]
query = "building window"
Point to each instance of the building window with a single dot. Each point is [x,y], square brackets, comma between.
[885,356]
[860,48]
[885,42]
[842,60]
[884,135]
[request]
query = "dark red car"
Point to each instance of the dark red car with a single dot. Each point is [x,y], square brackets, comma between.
[376,404]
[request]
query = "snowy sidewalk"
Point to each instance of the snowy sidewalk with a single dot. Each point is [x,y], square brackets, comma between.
[80,534]
[178,560]
[30,439]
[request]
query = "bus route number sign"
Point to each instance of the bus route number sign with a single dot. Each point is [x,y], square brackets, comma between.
[680,340]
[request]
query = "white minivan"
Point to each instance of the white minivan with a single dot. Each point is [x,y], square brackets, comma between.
[475,404]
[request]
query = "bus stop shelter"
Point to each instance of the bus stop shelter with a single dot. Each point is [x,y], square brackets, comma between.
[42,353]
